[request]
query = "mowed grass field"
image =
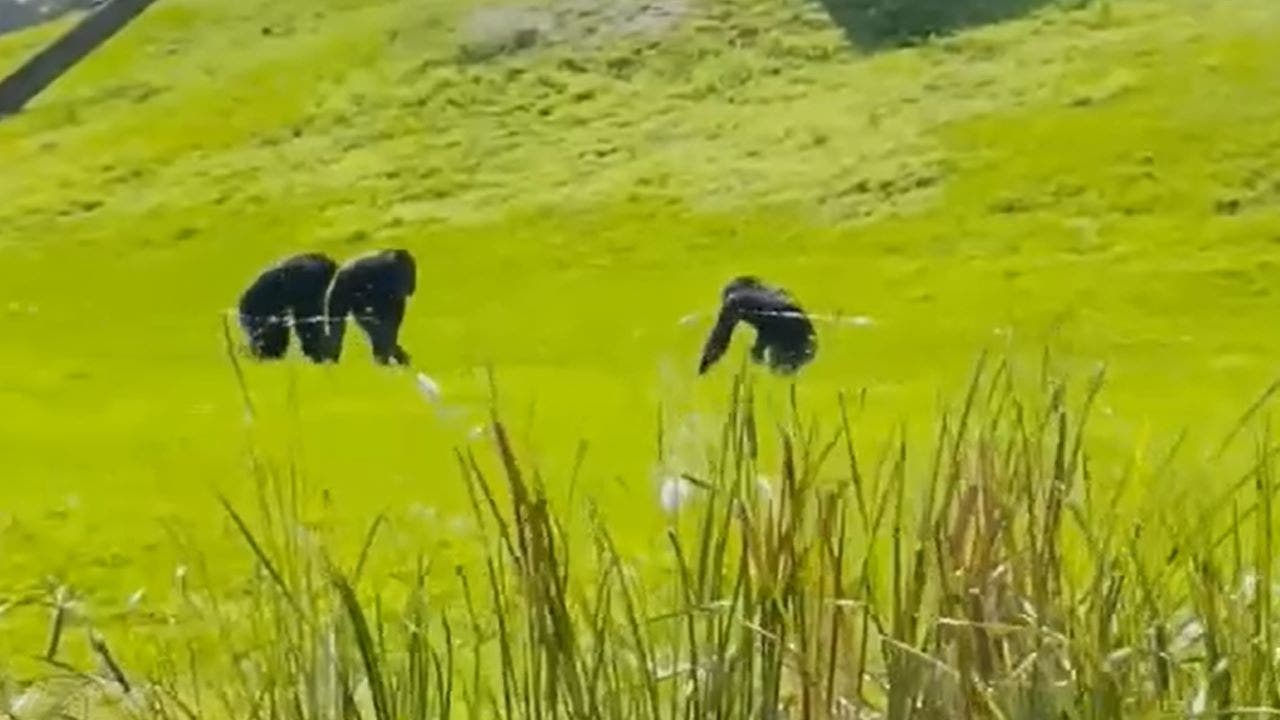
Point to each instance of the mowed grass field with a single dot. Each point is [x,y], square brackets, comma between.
[1104,181]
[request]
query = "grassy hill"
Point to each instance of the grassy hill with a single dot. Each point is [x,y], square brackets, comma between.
[1106,179]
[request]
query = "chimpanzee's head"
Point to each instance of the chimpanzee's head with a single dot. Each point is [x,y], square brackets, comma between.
[742,282]
[406,271]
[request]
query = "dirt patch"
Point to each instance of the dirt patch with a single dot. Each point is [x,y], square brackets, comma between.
[489,32]
[586,20]
[504,29]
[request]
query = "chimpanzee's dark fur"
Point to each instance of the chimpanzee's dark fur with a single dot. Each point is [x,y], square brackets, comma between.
[785,338]
[372,289]
[289,293]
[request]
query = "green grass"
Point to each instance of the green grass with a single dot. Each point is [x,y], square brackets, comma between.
[992,574]
[1104,181]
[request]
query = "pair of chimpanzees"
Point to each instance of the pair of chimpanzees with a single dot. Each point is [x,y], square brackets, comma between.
[313,295]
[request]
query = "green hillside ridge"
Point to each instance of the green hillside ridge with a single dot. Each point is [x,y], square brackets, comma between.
[382,110]
[1106,179]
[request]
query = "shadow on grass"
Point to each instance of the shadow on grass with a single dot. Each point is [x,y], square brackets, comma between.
[875,24]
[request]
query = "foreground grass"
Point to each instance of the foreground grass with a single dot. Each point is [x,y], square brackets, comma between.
[799,579]
[1105,182]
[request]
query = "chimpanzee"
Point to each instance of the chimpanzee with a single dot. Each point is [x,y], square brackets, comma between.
[291,292]
[785,339]
[373,289]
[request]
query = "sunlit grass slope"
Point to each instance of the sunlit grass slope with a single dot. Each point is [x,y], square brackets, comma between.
[1105,179]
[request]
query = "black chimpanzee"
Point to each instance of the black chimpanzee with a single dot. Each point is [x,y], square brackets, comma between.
[373,289]
[291,292]
[785,339]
